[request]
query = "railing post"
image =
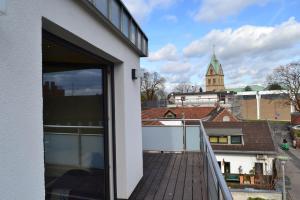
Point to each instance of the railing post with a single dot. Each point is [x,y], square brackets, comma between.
[206,157]
[218,188]
[79,147]
[184,136]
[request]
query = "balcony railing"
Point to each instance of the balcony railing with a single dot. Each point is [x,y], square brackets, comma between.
[174,135]
[119,18]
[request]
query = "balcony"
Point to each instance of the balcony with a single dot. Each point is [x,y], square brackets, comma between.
[179,163]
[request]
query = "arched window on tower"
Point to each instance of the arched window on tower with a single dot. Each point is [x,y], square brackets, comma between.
[211,71]
[209,81]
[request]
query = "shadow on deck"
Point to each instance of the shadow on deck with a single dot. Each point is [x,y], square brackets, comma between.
[171,176]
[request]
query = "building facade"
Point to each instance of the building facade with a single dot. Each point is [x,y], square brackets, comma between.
[264,105]
[214,78]
[70,108]
[242,146]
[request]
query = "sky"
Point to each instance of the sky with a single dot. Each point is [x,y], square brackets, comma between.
[251,38]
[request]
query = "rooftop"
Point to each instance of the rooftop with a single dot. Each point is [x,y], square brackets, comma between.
[256,135]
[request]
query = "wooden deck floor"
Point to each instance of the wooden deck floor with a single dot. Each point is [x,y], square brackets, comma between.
[171,176]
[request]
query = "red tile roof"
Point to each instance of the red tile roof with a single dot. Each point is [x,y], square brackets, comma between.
[256,135]
[188,112]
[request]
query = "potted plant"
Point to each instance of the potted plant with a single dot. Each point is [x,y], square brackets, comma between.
[252,173]
[241,175]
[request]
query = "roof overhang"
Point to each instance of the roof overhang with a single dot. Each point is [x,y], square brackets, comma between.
[245,152]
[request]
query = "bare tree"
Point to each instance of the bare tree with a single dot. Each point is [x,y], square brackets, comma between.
[152,84]
[288,77]
[186,88]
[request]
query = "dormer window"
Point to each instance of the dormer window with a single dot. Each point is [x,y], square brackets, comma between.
[170,115]
[236,139]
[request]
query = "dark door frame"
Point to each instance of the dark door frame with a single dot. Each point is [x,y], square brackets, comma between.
[108,68]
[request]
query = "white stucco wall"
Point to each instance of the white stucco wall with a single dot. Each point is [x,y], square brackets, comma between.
[21,137]
[247,161]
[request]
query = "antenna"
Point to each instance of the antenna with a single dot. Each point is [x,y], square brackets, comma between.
[214,48]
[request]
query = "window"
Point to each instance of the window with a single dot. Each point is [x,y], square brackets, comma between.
[218,139]
[211,72]
[213,139]
[102,5]
[226,119]
[139,42]
[115,13]
[223,140]
[209,81]
[144,45]
[214,81]
[236,139]
[125,25]
[133,33]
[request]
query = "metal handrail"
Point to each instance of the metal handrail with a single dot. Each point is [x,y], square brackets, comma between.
[222,184]
[62,126]
[205,147]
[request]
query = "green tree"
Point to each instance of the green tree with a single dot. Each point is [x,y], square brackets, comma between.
[248,88]
[274,86]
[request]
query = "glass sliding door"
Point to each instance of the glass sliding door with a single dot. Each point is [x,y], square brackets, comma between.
[74,132]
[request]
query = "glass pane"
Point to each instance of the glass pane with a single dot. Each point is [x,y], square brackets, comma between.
[223,140]
[115,13]
[102,6]
[213,139]
[125,27]
[139,43]
[74,133]
[236,140]
[133,33]
[73,97]
[144,45]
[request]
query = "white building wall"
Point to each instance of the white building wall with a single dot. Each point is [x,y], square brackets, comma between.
[197,99]
[247,161]
[21,138]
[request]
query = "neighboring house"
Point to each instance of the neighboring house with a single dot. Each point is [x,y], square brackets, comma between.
[204,99]
[244,145]
[70,100]
[216,114]
[263,105]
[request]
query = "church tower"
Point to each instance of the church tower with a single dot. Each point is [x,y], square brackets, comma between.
[214,77]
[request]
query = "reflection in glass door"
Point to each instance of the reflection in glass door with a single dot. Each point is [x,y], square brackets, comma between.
[74,132]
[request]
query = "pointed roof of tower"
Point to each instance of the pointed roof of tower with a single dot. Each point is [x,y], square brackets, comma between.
[214,62]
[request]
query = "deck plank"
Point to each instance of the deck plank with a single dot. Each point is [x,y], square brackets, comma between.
[173,179]
[181,178]
[197,190]
[171,176]
[164,183]
[154,170]
[149,162]
[188,185]
[158,178]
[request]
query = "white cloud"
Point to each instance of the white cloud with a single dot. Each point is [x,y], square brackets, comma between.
[247,40]
[212,10]
[176,67]
[140,9]
[170,18]
[168,52]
